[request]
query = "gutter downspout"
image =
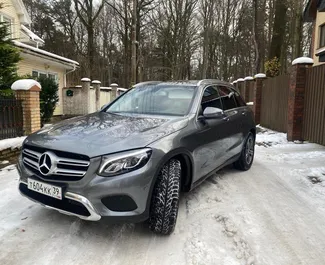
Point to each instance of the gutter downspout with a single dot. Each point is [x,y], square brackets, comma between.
[65,75]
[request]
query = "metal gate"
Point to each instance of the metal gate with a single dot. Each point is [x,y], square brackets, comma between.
[11,118]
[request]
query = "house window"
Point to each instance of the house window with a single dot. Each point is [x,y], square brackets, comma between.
[9,23]
[322,36]
[53,76]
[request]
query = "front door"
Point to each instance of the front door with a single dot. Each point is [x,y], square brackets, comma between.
[210,141]
[234,126]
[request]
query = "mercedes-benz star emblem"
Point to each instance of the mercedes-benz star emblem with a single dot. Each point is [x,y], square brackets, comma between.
[45,164]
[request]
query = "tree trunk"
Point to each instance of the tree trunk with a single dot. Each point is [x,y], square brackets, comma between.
[279,28]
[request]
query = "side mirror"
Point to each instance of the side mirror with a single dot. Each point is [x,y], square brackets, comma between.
[213,113]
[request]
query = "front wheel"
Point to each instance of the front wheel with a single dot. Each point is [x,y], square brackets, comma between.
[246,158]
[165,199]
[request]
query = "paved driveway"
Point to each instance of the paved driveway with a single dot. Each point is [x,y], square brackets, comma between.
[272,214]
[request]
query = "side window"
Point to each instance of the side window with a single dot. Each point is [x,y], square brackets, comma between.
[211,98]
[228,98]
[239,100]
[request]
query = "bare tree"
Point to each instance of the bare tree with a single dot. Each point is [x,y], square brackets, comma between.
[87,14]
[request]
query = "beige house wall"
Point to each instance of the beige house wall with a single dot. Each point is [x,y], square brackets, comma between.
[27,65]
[320,20]
[9,11]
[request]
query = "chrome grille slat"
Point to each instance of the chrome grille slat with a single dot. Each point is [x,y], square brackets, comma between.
[64,168]
[32,153]
[72,172]
[73,162]
[31,163]
[67,173]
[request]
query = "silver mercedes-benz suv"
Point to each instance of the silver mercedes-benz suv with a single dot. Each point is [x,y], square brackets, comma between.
[130,160]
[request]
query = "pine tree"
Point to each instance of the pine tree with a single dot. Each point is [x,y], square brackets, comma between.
[9,57]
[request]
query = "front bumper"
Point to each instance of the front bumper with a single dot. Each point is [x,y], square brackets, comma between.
[94,196]
[93,215]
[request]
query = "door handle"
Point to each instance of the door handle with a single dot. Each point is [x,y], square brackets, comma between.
[225,119]
[244,113]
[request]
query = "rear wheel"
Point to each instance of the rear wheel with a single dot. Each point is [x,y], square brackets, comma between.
[165,199]
[247,155]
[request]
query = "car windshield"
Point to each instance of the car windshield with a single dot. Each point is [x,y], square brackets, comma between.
[155,99]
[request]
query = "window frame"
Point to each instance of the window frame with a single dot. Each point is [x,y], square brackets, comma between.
[198,107]
[56,75]
[321,35]
[231,90]
[11,24]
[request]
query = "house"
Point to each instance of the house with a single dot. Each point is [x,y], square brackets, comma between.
[35,61]
[315,13]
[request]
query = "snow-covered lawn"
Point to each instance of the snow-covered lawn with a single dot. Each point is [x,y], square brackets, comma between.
[271,214]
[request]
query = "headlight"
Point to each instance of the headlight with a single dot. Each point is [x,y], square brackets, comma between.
[113,165]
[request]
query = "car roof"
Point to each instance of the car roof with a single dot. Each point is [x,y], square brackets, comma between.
[185,82]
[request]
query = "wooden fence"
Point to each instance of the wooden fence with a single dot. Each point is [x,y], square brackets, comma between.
[11,118]
[274,111]
[314,109]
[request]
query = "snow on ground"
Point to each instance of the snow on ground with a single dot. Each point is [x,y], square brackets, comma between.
[11,143]
[272,214]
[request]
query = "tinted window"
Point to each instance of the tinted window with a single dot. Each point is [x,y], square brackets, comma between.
[211,98]
[155,99]
[228,98]
[239,100]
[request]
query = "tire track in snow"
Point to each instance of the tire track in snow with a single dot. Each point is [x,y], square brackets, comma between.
[241,247]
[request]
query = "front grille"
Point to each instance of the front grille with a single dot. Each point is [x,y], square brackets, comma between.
[67,166]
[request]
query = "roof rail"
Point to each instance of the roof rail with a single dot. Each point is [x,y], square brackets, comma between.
[147,83]
[210,81]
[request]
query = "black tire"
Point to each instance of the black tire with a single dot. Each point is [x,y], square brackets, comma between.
[246,159]
[165,199]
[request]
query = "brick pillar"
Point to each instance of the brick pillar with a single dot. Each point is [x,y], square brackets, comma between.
[258,88]
[114,91]
[85,90]
[235,85]
[241,86]
[96,86]
[28,91]
[296,97]
[248,82]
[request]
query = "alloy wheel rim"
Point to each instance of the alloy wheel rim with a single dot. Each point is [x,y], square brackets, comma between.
[249,150]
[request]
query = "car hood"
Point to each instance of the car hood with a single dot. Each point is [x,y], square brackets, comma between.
[104,133]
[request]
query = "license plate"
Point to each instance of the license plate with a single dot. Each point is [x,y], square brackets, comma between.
[44,188]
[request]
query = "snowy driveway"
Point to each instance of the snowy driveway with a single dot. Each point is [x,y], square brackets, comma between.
[272,214]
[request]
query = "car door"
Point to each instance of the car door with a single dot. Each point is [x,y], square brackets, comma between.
[234,115]
[209,142]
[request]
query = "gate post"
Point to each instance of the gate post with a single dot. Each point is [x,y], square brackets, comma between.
[114,87]
[241,86]
[28,91]
[248,81]
[96,86]
[258,86]
[296,97]
[235,84]
[85,83]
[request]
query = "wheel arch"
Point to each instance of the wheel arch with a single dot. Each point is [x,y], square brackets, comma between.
[187,163]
